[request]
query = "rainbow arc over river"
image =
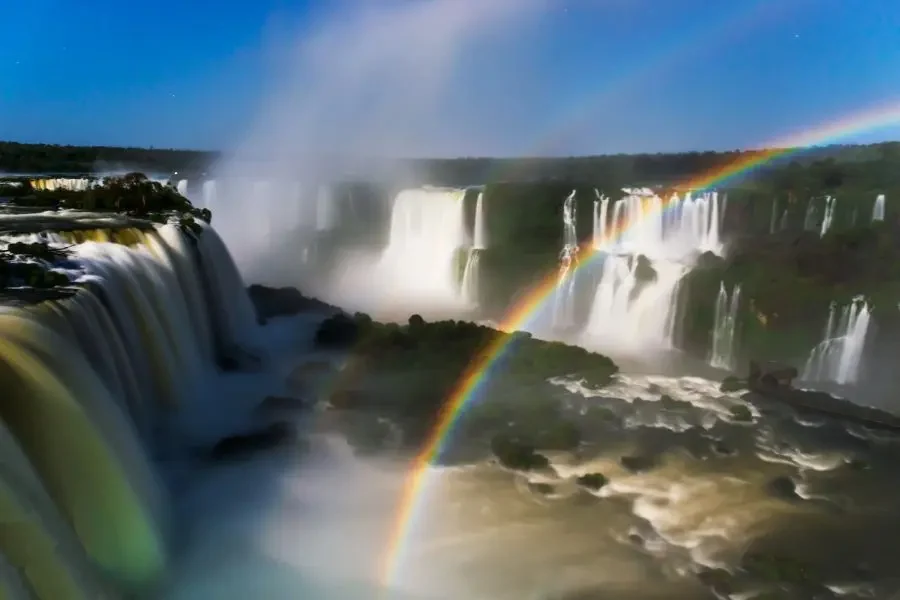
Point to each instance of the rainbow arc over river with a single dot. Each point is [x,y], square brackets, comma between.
[479,370]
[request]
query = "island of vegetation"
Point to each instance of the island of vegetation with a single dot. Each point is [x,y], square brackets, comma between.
[407,374]
[133,200]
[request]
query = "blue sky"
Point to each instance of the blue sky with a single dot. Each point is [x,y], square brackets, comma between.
[443,77]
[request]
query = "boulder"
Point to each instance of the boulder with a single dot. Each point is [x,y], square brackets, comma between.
[276,302]
[592,481]
[517,455]
[769,375]
[246,444]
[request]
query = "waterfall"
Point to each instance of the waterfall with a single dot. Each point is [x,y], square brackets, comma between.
[809,220]
[564,298]
[784,220]
[837,358]
[471,291]
[601,209]
[773,219]
[325,209]
[182,187]
[73,184]
[828,215]
[723,338]
[96,379]
[427,233]
[647,247]
[471,280]
[209,195]
[878,209]
[479,241]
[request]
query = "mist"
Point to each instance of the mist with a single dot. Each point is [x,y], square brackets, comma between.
[361,86]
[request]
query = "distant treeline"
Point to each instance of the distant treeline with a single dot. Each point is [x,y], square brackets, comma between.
[828,169]
[80,160]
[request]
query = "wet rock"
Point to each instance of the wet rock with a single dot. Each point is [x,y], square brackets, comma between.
[741,413]
[723,449]
[783,487]
[733,384]
[670,403]
[348,399]
[859,464]
[769,376]
[340,331]
[592,481]
[709,260]
[238,359]
[561,436]
[719,581]
[517,455]
[638,464]
[284,404]
[644,271]
[247,444]
[277,302]
[542,489]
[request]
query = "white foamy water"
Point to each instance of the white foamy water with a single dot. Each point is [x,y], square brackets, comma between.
[422,267]
[723,353]
[838,357]
[635,307]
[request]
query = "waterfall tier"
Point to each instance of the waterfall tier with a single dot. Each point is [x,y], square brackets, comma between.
[644,247]
[95,375]
[838,357]
[723,350]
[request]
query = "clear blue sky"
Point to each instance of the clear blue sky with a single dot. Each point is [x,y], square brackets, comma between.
[578,77]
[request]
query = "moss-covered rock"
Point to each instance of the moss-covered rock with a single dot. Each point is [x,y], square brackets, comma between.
[733,384]
[643,270]
[517,455]
[592,481]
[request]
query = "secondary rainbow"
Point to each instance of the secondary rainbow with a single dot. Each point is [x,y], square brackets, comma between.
[479,370]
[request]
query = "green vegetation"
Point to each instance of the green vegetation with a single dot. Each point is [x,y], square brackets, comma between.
[516,407]
[132,195]
[788,277]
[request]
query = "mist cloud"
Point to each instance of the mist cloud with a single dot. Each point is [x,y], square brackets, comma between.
[384,79]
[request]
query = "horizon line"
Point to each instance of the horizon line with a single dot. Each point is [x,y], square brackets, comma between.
[749,150]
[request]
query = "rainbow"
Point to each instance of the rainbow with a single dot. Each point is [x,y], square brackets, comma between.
[479,370]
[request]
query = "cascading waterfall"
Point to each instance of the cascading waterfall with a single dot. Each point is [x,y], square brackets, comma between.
[325,209]
[182,187]
[208,199]
[601,210]
[74,184]
[828,215]
[471,291]
[88,378]
[648,245]
[427,235]
[773,219]
[564,299]
[479,238]
[809,220]
[837,358]
[723,351]
[878,209]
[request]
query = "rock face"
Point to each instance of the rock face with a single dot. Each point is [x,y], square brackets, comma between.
[286,301]
[769,376]
[245,445]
